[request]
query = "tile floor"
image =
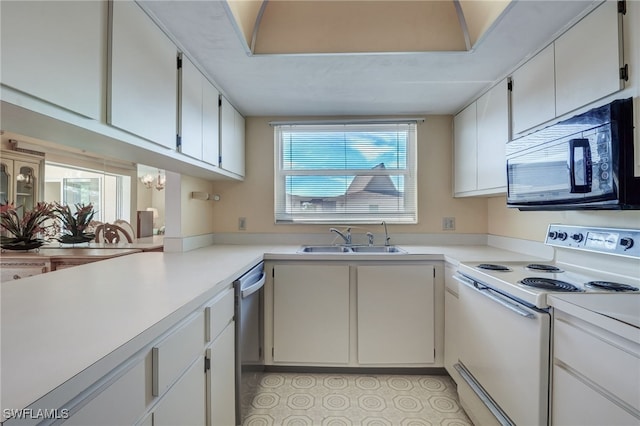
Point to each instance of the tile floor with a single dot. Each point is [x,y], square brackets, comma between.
[352,399]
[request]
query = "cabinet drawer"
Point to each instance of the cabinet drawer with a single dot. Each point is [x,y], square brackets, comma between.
[176,352]
[575,403]
[219,313]
[10,272]
[122,402]
[583,349]
[184,403]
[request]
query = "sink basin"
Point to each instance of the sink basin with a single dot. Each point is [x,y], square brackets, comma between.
[377,249]
[324,249]
[350,249]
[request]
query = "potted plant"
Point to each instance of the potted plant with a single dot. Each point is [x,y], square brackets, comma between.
[74,225]
[24,230]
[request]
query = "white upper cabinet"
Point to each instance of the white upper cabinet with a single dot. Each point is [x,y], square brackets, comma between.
[191,109]
[465,140]
[493,135]
[533,98]
[480,133]
[210,123]
[199,116]
[143,78]
[56,51]
[231,138]
[588,59]
[578,68]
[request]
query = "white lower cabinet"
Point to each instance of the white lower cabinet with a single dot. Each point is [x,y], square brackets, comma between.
[395,314]
[586,390]
[450,322]
[184,403]
[352,314]
[120,403]
[221,379]
[170,382]
[221,398]
[311,314]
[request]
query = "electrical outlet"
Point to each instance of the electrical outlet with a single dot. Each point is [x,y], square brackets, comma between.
[448,223]
[242,223]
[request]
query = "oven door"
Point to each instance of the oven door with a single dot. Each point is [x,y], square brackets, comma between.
[504,348]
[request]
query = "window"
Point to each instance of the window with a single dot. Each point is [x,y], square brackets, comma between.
[110,193]
[346,173]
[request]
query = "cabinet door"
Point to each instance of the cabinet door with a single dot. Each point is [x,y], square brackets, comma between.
[465,145]
[127,393]
[6,177]
[576,403]
[191,109]
[231,138]
[533,94]
[396,321]
[210,123]
[493,135]
[184,402]
[311,314]
[221,399]
[143,78]
[56,51]
[450,323]
[27,182]
[584,75]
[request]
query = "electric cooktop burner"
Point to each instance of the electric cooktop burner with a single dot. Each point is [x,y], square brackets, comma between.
[608,285]
[493,267]
[543,268]
[548,284]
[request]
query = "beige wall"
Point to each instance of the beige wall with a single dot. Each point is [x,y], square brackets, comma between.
[196,215]
[253,198]
[533,225]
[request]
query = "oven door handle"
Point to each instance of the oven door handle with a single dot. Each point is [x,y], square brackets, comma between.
[488,292]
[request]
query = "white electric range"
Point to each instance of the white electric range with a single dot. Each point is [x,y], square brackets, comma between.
[505,319]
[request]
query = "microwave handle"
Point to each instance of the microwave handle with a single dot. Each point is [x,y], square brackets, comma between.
[580,144]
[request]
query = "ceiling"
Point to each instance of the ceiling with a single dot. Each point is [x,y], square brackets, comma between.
[358,83]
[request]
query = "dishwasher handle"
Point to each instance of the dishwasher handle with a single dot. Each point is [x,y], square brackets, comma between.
[253,287]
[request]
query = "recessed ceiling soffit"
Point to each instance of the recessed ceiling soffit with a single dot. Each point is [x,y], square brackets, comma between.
[293,27]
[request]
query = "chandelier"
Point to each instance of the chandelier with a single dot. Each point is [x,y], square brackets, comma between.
[150,182]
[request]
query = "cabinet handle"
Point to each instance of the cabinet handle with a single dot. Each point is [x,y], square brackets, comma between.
[16,277]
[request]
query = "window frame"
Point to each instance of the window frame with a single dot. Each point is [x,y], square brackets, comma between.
[409,174]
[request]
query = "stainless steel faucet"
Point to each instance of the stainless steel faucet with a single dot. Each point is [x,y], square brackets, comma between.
[346,236]
[370,238]
[387,238]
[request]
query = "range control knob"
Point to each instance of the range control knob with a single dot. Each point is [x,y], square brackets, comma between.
[553,235]
[562,236]
[577,237]
[627,243]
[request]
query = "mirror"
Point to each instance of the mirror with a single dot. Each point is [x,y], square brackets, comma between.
[118,189]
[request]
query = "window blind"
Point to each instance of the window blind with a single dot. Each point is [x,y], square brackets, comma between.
[345,173]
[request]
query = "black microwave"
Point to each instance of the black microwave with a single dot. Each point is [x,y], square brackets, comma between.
[585,162]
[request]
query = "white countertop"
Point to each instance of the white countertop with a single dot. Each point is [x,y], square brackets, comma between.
[57,325]
[616,312]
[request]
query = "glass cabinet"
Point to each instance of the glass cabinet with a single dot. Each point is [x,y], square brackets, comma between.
[20,180]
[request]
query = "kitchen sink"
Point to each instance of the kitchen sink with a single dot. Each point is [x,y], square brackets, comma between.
[377,249]
[324,249]
[350,249]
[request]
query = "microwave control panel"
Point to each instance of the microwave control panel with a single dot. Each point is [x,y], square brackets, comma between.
[622,242]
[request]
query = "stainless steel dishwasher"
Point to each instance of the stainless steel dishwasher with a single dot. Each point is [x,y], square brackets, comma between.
[249,336]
